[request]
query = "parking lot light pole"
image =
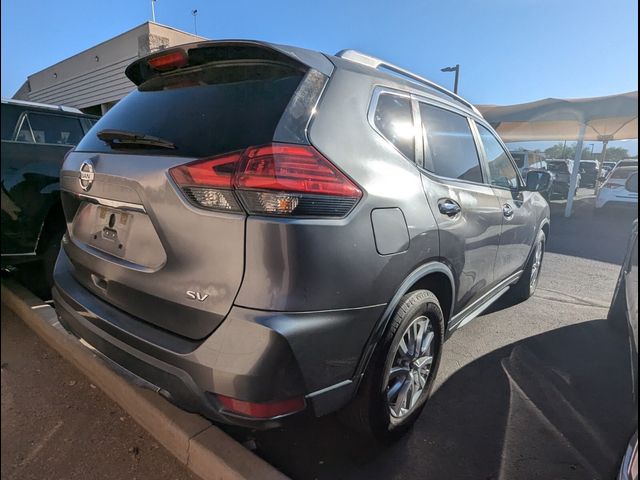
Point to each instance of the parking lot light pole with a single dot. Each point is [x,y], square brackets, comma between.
[453,69]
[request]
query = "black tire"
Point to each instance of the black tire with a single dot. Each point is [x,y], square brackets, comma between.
[524,288]
[369,412]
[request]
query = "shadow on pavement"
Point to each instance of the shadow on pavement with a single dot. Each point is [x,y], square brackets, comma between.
[556,405]
[589,234]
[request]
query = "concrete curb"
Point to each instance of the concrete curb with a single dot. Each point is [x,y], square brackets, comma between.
[205,449]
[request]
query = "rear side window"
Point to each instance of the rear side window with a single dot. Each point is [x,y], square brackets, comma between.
[55,129]
[450,150]
[10,116]
[394,121]
[502,173]
[204,111]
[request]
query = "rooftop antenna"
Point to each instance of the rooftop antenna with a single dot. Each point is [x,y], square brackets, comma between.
[153,11]
[195,22]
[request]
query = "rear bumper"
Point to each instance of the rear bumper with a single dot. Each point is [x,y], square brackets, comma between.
[611,199]
[253,356]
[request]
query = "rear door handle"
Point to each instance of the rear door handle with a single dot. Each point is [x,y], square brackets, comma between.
[507,211]
[449,207]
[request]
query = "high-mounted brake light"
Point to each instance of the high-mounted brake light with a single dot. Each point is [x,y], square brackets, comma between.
[275,179]
[262,410]
[169,61]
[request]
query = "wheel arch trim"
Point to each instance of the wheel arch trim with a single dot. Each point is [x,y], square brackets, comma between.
[415,276]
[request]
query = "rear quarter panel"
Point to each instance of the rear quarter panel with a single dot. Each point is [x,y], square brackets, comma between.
[298,265]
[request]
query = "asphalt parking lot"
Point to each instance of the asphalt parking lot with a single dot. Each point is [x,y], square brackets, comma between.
[536,390]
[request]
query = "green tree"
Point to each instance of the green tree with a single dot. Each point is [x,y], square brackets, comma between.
[616,153]
[559,150]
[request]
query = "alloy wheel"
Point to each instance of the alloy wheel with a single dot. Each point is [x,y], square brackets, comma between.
[535,267]
[411,366]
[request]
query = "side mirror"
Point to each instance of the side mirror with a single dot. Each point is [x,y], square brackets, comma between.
[538,181]
[632,183]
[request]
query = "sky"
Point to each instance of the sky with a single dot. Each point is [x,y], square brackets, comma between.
[510,51]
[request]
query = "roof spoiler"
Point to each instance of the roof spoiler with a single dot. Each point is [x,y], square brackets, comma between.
[200,53]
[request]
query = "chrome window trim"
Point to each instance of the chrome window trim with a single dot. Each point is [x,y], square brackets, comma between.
[18,128]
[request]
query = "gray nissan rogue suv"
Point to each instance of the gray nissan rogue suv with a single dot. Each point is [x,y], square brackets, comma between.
[259,230]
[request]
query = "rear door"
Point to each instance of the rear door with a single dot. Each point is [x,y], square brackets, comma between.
[518,220]
[465,207]
[172,256]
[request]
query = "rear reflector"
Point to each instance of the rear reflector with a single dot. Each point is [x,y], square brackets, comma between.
[262,410]
[169,61]
[275,179]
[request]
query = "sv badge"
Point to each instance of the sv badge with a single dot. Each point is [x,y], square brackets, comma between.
[201,297]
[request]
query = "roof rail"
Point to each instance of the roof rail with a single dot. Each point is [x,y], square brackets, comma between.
[376,63]
[60,108]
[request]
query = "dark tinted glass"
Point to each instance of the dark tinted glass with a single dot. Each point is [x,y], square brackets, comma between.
[10,115]
[519,159]
[502,173]
[623,172]
[394,120]
[450,150]
[557,167]
[205,112]
[632,183]
[55,129]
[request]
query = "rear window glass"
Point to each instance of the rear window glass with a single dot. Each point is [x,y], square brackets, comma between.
[557,167]
[204,112]
[623,172]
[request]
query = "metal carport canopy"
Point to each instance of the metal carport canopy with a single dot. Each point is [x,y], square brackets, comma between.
[613,117]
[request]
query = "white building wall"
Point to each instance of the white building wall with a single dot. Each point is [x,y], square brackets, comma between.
[96,76]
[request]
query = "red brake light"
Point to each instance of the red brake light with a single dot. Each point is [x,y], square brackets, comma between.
[275,179]
[169,61]
[262,410]
[210,172]
[293,168]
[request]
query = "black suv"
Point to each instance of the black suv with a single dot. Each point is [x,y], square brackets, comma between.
[258,230]
[35,138]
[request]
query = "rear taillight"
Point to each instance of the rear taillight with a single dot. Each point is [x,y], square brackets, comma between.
[208,183]
[276,179]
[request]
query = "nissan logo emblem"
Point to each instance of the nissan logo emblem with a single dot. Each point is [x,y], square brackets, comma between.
[87,175]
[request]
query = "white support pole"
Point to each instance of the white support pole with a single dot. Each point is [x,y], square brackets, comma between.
[153,11]
[576,168]
[603,158]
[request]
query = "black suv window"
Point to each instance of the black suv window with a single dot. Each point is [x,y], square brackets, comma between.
[394,121]
[502,173]
[55,129]
[10,117]
[450,150]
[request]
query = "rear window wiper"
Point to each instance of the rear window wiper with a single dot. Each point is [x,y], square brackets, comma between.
[124,139]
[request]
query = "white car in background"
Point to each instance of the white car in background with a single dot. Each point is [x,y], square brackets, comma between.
[620,188]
